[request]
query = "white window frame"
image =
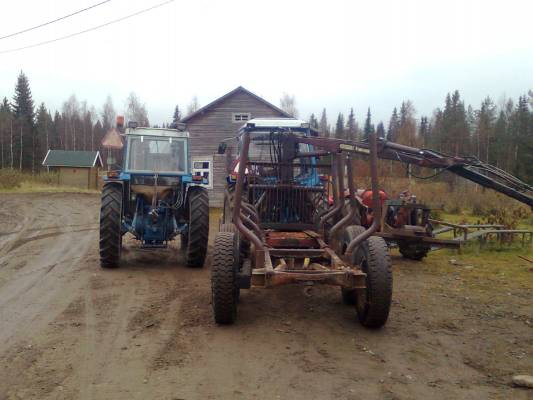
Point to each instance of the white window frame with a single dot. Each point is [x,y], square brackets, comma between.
[209,170]
[237,117]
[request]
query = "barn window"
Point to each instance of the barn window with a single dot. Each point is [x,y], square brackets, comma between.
[204,167]
[241,117]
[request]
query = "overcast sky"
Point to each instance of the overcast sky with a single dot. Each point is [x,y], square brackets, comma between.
[333,54]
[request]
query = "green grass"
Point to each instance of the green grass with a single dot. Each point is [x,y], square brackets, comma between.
[32,187]
[14,181]
[485,269]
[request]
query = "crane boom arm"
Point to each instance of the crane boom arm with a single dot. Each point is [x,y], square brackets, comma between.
[470,168]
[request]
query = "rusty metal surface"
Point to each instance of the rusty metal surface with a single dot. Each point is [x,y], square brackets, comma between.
[352,279]
[348,218]
[247,233]
[399,236]
[298,253]
[376,204]
[296,240]
[338,201]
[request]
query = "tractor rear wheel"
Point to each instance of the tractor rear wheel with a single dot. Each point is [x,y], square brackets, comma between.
[198,230]
[111,226]
[350,233]
[373,303]
[413,251]
[224,274]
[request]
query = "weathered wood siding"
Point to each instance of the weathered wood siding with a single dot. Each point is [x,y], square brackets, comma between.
[93,178]
[215,124]
[74,177]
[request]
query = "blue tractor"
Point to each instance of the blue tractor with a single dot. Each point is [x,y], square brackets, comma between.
[155,197]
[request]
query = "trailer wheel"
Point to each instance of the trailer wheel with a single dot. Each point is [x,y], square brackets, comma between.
[227,217]
[373,303]
[413,251]
[350,233]
[224,285]
[244,246]
[198,230]
[110,226]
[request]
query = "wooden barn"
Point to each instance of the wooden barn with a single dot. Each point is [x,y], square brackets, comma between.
[75,168]
[219,120]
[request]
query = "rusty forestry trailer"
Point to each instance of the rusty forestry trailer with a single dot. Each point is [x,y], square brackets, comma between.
[278,227]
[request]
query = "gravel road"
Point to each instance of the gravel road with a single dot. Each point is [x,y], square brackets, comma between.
[70,330]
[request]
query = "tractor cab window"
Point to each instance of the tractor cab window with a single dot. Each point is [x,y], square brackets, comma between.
[156,154]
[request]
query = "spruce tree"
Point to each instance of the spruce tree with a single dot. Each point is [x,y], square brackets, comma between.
[521,125]
[501,141]
[339,127]
[313,122]
[23,111]
[380,130]
[423,131]
[42,128]
[484,131]
[323,126]
[6,123]
[394,126]
[369,128]
[22,100]
[351,126]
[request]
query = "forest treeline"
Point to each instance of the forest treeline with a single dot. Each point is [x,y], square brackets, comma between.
[501,134]
[28,131]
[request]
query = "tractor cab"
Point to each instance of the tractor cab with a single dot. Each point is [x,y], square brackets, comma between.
[156,151]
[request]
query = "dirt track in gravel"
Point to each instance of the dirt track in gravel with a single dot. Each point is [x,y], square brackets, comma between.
[69,330]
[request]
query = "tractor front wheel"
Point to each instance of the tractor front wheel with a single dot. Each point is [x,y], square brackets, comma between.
[111,226]
[224,274]
[198,230]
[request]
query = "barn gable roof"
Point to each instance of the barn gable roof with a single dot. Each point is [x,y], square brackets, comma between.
[70,158]
[239,89]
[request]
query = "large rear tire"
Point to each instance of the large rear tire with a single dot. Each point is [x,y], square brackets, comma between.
[198,230]
[373,303]
[224,273]
[111,226]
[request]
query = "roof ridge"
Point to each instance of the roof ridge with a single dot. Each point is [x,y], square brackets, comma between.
[229,94]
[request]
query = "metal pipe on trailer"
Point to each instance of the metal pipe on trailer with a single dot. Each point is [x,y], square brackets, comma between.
[353,202]
[376,206]
[247,233]
[336,166]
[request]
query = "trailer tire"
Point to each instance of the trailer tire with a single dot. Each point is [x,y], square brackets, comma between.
[413,251]
[224,285]
[244,246]
[227,217]
[373,304]
[350,233]
[110,225]
[198,230]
